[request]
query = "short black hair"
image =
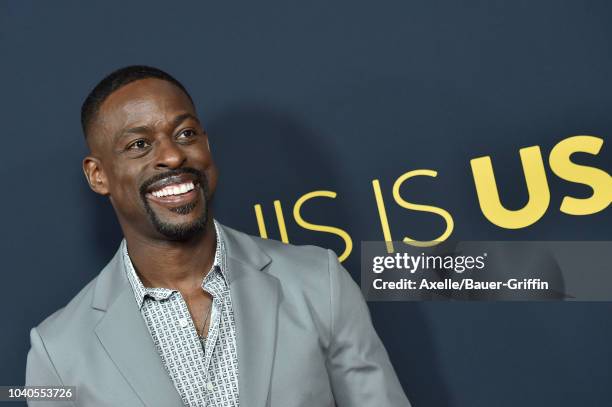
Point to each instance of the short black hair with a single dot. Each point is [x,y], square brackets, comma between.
[116,80]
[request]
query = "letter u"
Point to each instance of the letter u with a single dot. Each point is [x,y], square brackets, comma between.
[537,187]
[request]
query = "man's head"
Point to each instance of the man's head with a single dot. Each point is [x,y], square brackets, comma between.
[149,154]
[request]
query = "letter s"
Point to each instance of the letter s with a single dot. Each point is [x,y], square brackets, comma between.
[424,208]
[599,180]
[320,228]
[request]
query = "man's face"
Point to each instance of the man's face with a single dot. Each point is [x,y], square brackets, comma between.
[150,155]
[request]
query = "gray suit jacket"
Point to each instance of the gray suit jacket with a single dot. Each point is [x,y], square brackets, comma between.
[303,333]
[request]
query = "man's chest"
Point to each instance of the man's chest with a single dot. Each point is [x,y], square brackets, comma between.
[204,372]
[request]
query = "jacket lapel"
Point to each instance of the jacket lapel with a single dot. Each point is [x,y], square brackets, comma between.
[125,337]
[255,297]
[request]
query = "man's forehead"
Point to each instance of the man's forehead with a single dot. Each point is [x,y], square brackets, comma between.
[145,100]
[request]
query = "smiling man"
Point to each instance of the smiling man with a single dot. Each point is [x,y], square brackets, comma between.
[189,311]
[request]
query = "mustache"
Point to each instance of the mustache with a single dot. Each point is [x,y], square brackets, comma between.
[201,178]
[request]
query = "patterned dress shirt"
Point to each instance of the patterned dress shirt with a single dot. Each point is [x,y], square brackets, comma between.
[203,370]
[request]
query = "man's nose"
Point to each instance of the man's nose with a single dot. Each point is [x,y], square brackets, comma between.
[169,155]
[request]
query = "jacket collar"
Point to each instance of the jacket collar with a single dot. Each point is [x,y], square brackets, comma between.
[239,246]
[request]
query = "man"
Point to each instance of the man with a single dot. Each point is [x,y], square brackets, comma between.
[188,311]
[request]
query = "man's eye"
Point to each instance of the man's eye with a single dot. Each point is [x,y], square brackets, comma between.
[138,145]
[185,134]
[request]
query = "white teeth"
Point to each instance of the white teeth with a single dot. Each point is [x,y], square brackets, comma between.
[174,189]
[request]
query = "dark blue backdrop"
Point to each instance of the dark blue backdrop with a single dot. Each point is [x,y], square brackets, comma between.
[299,96]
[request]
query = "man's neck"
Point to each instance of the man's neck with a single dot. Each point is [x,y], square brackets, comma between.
[171,264]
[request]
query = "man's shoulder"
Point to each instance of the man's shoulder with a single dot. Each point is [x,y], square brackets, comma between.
[77,315]
[302,270]
[288,257]
[57,321]
[308,256]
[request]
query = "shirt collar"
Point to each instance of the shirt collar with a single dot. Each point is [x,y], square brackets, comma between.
[160,293]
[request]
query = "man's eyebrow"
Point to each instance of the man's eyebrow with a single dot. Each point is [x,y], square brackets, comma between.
[131,130]
[182,117]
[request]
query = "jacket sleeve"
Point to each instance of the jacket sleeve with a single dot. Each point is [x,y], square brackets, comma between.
[40,370]
[359,366]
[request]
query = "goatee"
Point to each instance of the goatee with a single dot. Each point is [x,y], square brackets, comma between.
[180,231]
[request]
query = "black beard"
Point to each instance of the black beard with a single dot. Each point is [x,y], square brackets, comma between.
[185,231]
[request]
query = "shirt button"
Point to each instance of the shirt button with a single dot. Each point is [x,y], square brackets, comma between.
[209,386]
[183,322]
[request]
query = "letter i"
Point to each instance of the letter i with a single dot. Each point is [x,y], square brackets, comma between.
[382,212]
[261,224]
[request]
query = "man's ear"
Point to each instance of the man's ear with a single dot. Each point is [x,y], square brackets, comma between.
[94,173]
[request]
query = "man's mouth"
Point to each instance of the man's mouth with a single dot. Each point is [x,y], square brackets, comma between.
[174,191]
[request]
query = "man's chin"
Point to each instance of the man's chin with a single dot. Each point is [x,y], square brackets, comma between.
[181,231]
[184,209]
[181,222]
